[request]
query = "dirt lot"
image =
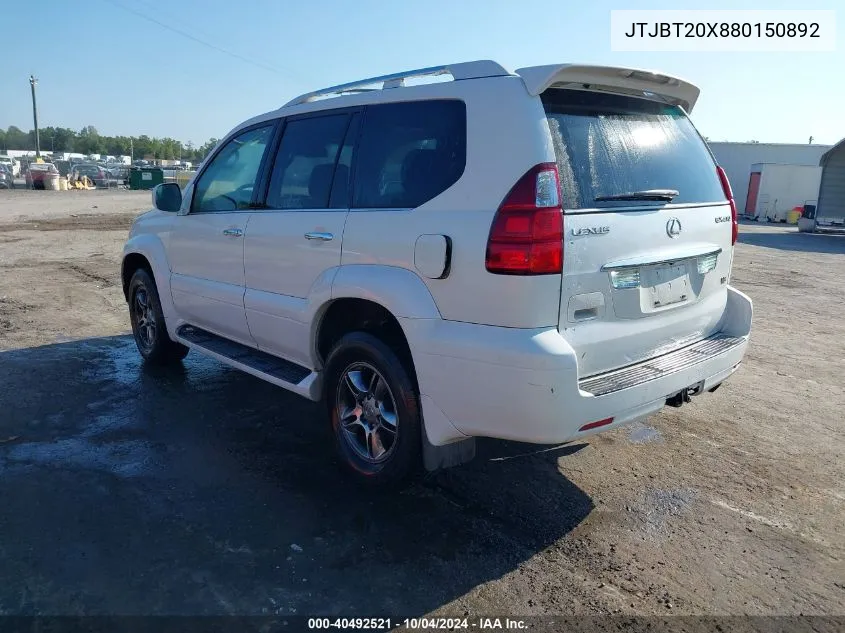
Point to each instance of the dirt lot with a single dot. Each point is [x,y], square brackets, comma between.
[126,490]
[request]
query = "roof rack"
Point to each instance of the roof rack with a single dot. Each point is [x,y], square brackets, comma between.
[463,70]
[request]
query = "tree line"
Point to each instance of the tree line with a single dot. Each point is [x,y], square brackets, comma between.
[89,141]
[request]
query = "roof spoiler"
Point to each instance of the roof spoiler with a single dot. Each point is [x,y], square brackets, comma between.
[676,91]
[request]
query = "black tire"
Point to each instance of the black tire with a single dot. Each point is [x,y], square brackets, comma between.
[148,327]
[359,352]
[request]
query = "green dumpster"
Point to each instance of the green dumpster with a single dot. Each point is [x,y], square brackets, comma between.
[145,177]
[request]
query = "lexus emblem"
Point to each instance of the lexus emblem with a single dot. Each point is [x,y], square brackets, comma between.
[673,227]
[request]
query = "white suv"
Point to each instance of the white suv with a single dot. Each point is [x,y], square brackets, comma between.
[534,256]
[13,165]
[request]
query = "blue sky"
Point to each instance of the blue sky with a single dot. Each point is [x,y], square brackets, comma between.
[98,64]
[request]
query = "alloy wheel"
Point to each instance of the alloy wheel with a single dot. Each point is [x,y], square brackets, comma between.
[366,411]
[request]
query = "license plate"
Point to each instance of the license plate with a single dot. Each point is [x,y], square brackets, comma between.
[668,285]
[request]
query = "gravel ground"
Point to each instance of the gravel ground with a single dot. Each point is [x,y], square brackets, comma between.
[206,491]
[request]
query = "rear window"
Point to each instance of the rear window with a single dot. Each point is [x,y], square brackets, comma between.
[409,153]
[612,145]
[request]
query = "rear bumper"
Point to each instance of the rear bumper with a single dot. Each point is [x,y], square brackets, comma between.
[523,384]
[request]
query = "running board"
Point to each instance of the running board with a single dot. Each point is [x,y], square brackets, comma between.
[659,367]
[261,364]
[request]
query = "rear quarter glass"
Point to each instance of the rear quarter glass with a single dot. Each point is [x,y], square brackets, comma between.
[410,152]
[608,144]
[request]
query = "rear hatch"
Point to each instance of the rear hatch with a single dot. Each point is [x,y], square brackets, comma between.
[647,227]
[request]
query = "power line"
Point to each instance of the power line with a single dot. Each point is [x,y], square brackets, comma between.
[199,41]
[164,12]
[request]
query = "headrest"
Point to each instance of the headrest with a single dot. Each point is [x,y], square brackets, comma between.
[321,180]
[420,171]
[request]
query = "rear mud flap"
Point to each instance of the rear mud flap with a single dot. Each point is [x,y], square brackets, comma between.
[446,456]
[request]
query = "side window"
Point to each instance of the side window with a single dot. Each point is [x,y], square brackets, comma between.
[228,182]
[409,153]
[305,164]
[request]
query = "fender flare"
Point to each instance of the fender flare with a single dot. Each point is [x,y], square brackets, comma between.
[398,290]
[151,248]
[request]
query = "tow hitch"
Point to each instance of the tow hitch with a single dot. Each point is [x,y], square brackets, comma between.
[684,396]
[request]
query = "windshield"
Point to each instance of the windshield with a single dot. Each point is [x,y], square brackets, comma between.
[615,151]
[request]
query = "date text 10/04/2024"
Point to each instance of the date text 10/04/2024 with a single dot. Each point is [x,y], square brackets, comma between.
[420,624]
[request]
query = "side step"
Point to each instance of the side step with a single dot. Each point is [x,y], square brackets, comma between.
[658,367]
[259,361]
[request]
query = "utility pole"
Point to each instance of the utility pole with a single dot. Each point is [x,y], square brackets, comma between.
[32,82]
[131,150]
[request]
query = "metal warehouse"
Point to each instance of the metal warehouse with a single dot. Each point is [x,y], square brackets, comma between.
[830,211]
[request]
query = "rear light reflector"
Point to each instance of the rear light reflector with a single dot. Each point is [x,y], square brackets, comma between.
[526,237]
[621,279]
[707,263]
[595,425]
[726,188]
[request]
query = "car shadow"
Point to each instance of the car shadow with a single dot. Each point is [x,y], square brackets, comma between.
[792,240]
[201,490]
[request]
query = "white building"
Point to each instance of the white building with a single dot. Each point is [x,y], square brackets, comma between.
[737,158]
[775,189]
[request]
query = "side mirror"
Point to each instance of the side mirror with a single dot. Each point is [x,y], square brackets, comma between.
[167,197]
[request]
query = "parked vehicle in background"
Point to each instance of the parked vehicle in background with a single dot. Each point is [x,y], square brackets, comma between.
[37,173]
[7,179]
[64,167]
[434,275]
[23,162]
[96,173]
[120,173]
[12,163]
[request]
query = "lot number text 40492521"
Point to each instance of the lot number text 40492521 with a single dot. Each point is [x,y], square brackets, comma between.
[417,624]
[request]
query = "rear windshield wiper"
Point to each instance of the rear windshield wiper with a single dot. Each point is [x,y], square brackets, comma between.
[665,195]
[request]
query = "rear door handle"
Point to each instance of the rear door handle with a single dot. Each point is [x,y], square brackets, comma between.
[233,232]
[323,237]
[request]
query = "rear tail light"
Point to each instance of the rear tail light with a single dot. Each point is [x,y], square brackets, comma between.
[726,187]
[526,237]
